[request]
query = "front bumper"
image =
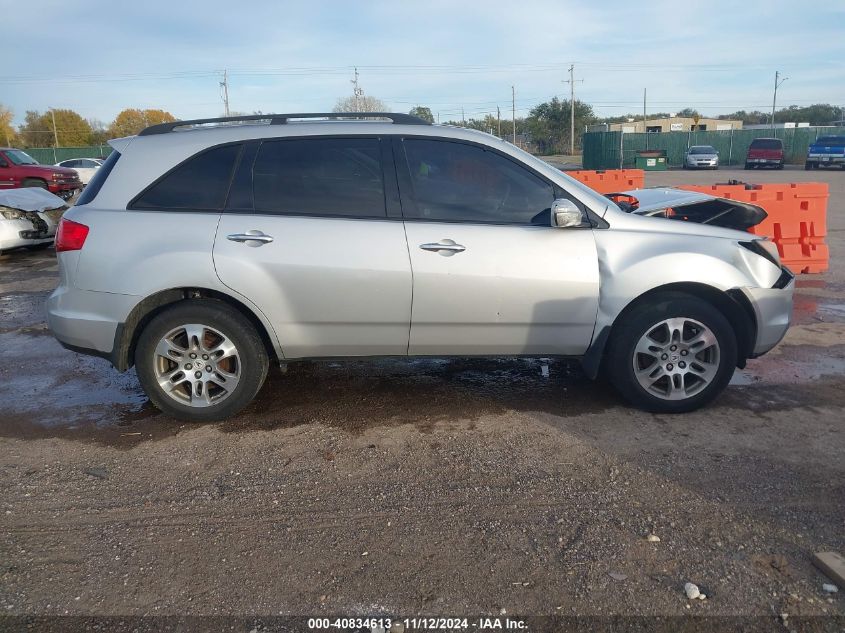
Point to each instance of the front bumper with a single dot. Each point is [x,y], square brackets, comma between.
[64,189]
[773,312]
[702,164]
[20,233]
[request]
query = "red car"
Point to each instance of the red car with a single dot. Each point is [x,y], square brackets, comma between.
[19,169]
[765,152]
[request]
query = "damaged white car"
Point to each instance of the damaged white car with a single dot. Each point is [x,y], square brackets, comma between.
[28,218]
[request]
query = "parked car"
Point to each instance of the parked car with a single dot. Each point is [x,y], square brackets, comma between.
[28,218]
[200,253]
[701,157]
[85,167]
[19,169]
[765,152]
[826,151]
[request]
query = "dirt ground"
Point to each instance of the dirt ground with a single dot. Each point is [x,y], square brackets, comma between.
[448,487]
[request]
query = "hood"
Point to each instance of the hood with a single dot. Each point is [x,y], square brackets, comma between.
[690,206]
[30,199]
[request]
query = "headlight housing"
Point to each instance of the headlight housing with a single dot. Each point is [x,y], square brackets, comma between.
[11,214]
[59,176]
[764,248]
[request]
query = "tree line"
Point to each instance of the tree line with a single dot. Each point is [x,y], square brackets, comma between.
[67,128]
[545,130]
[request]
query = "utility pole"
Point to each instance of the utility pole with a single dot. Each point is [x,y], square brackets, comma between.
[55,130]
[499,119]
[571,82]
[224,86]
[357,91]
[775,97]
[463,118]
[513,112]
[644,114]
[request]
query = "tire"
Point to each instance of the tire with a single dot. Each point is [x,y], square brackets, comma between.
[247,365]
[692,314]
[808,166]
[780,166]
[34,182]
[747,166]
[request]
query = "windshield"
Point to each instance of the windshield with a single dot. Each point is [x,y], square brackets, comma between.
[701,149]
[831,141]
[20,158]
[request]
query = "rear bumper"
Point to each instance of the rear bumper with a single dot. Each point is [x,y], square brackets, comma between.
[86,321]
[826,160]
[773,312]
[764,161]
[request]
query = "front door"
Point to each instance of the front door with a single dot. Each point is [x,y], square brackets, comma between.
[491,275]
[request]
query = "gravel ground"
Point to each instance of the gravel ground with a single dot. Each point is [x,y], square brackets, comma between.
[448,487]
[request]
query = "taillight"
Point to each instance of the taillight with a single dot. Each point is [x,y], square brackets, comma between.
[70,236]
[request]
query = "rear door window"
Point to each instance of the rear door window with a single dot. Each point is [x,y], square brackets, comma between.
[320,176]
[200,183]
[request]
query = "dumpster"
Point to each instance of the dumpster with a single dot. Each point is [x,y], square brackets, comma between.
[651,159]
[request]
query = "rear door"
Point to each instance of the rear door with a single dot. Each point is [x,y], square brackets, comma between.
[491,275]
[312,234]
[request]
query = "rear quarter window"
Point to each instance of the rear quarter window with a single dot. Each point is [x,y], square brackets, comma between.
[200,183]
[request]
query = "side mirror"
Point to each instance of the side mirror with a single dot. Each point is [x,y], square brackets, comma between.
[3,163]
[565,213]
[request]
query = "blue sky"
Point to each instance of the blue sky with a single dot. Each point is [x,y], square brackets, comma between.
[284,56]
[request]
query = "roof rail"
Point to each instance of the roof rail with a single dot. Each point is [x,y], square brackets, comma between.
[281,119]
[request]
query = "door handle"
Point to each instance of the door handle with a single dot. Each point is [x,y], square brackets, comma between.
[445,247]
[253,238]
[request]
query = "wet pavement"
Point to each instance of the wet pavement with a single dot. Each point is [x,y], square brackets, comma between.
[760,472]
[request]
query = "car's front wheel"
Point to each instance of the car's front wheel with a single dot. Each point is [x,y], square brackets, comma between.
[201,360]
[672,354]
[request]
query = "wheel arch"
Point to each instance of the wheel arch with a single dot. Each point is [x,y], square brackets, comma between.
[733,304]
[128,332]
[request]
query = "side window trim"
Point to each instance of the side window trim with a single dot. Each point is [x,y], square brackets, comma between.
[410,211]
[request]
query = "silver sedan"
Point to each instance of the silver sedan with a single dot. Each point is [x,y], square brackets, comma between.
[701,157]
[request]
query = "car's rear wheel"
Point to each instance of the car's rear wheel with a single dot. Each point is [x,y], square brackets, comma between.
[201,360]
[672,354]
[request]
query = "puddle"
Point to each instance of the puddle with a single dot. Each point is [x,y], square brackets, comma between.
[802,364]
[40,377]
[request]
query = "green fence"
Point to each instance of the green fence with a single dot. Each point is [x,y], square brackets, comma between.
[612,150]
[53,155]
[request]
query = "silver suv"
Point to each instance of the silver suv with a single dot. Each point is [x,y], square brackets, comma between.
[201,251]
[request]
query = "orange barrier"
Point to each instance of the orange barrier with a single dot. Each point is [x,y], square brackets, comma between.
[796,222]
[610,180]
